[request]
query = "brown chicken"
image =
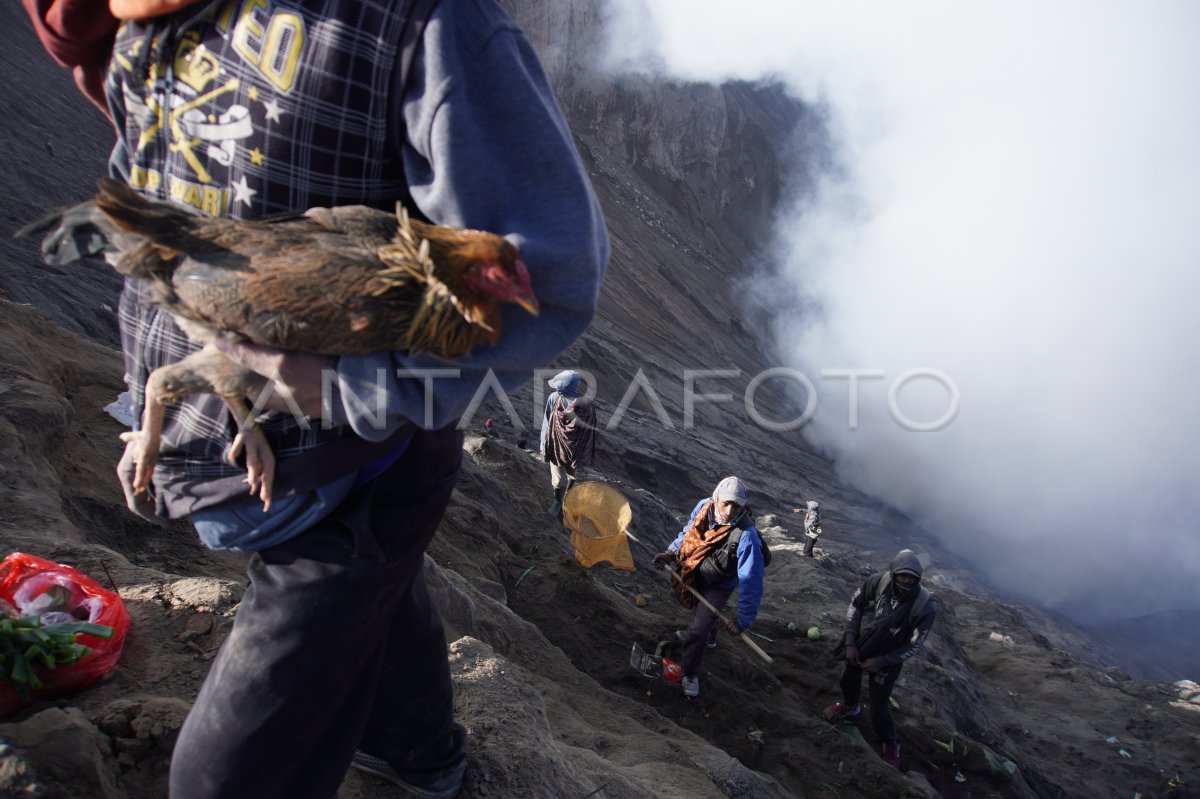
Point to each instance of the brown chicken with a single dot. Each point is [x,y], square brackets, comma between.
[338,281]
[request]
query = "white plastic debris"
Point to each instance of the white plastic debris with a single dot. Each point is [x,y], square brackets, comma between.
[1188,691]
[121,409]
[1189,696]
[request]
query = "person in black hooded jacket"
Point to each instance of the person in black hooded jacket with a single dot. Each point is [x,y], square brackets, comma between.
[886,624]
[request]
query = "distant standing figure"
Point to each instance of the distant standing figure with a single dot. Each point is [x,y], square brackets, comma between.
[812,525]
[489,428]
[568,438]
[879,638]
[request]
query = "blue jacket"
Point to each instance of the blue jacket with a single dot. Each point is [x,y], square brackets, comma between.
[749,578]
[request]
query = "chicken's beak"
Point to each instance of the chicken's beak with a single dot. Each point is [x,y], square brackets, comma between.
[529,303]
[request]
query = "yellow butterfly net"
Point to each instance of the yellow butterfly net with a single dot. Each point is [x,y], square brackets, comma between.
[597,515]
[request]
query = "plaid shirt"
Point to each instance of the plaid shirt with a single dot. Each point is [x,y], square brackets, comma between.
[244,111]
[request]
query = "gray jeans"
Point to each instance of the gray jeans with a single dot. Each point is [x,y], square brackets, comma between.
[559,475]
[703,621]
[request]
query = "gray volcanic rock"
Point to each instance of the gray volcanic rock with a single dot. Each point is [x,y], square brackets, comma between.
[54,147]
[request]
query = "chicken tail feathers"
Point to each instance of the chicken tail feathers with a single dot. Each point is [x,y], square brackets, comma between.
[167,225]
[71,234]
[115,221]
[44,222]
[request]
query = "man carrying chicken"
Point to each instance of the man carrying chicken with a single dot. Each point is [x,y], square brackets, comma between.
[337,656]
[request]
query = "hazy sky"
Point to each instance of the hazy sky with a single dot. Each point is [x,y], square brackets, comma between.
[1018,208]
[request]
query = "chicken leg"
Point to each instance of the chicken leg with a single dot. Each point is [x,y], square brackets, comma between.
[206,371]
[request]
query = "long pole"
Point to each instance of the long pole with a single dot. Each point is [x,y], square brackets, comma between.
[757,650]
[646,549]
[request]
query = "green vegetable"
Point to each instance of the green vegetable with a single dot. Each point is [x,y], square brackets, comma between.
[26,642]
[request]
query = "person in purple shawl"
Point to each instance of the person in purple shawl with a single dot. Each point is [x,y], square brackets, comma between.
[568,438]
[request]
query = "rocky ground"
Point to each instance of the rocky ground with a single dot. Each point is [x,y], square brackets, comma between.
[540,647]
[540,652]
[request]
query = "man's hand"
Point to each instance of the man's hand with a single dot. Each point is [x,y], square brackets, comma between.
[662,559]
[295,376]
[142,504]
[852,656]
[731,627]
[870,664]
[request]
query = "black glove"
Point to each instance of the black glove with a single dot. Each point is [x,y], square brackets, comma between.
[662,559]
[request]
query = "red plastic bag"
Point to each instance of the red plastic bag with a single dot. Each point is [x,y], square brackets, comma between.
[34,585]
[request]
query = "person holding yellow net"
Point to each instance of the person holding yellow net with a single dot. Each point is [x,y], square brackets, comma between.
[717,552]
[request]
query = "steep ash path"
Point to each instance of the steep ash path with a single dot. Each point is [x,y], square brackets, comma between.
[541,667]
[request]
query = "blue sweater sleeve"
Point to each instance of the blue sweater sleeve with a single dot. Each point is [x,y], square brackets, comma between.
[487,147]
[750,577]
[678,542]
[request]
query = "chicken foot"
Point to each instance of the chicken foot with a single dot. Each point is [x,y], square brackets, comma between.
[206,371]
[260,460]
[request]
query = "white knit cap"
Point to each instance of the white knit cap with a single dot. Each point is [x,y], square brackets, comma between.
[731,488]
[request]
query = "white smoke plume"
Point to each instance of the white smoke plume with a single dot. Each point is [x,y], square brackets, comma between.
[1016,207]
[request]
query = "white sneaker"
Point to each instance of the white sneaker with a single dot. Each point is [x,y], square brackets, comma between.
[691,686]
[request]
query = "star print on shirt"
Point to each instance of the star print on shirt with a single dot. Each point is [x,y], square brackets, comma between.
[242,193]
[274,112]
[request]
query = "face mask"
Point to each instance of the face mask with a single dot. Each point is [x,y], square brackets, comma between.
[903,593]
[727,519]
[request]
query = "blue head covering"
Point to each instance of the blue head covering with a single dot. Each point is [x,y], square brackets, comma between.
[565,383]
[731,488]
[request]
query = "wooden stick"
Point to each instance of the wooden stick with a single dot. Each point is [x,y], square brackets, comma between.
[757,650]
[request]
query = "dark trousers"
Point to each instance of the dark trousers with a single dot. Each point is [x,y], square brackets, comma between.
[336,646]
[879,689]
[703,624]
[809,543]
